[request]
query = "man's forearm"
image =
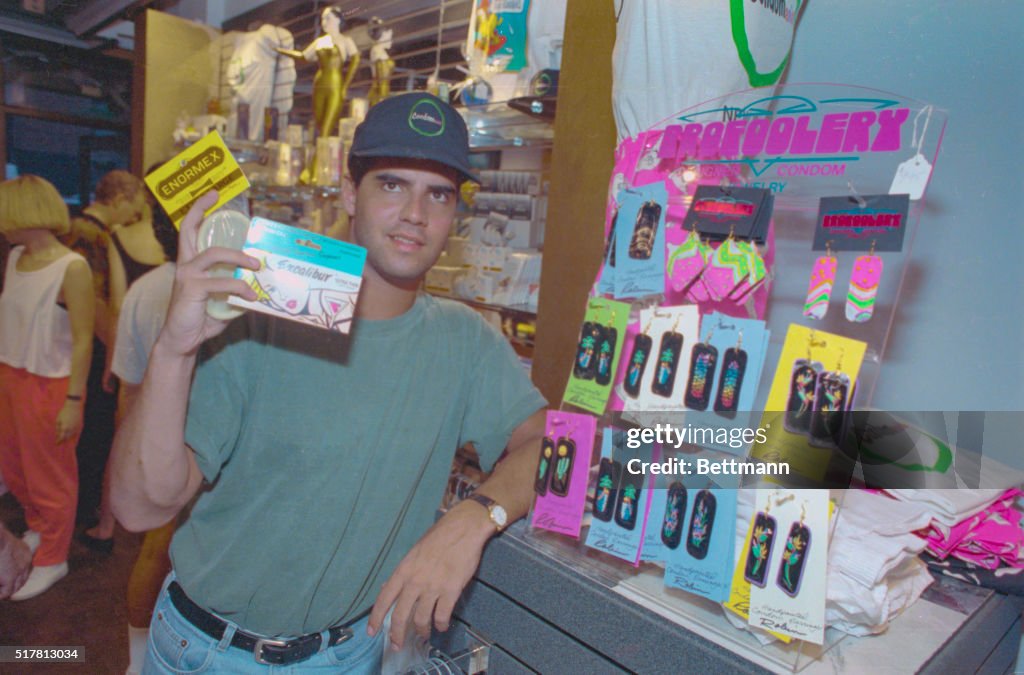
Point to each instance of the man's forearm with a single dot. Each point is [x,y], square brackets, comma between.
[511,482]
[154,474]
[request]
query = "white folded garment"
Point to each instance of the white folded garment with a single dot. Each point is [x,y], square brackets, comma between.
[949,507]
[861,610]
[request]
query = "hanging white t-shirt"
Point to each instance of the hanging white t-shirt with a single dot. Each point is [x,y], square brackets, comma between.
[35,332]
[671,55]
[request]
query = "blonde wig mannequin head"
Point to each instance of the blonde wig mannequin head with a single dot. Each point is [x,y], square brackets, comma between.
[30,202]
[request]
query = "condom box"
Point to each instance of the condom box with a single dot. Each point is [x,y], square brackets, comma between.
[303,276]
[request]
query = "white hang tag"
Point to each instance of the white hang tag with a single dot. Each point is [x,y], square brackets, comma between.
[911,177]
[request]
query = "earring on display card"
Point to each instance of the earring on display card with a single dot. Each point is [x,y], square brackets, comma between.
[607,488]
[831,401]
[734,367]
[819,291]
[668,361]
[802,386]
[759,553]
[703,359]
[757,271]
[794,557]
[638,362]
[547,456]
[630,487]
[641,244]
[702,523]
[565,455]
[606,352]
[727,270]
[675,511]
[585,365]
[687,263]
[864,281]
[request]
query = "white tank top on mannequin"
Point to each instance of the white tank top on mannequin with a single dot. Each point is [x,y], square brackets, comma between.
[35,332]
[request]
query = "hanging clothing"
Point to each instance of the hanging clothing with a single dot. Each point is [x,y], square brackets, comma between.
[671,55]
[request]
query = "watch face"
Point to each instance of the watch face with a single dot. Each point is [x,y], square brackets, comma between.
[499,516]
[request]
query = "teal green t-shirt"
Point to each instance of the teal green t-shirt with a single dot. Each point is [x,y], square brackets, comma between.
[326,456]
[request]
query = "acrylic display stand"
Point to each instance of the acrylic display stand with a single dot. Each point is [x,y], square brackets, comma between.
[798,181]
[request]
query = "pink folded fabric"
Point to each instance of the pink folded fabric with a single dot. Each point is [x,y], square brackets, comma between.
[990,538]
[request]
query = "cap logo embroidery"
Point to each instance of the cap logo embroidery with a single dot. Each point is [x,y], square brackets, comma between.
[426,118]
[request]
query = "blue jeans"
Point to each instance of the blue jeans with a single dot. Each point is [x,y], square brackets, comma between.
[176,646]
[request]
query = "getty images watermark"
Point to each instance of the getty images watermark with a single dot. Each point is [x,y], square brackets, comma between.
[868,448]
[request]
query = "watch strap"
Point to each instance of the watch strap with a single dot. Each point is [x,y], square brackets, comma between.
[488,504]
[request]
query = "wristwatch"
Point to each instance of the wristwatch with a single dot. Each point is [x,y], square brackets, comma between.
[497,513]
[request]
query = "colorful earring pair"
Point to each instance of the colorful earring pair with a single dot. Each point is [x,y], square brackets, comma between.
[703,361]
[555,466]
[860,298]
[595,352]
[702,520]
[667,364]
[794,555]
[703,273]
[818,400]
[617,495]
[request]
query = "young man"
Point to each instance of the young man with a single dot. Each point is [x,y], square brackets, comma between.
[324,456]
[119,200]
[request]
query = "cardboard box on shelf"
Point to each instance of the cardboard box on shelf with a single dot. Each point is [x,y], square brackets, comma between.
[442,279]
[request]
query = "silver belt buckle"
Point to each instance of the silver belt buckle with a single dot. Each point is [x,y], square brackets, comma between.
[345,635]
[261,643]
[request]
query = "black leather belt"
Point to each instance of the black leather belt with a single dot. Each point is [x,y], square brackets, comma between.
[268,651]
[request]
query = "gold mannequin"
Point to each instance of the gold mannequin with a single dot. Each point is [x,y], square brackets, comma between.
[380,61]
[331,50]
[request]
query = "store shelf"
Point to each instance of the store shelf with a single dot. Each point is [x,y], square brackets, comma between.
[497,126]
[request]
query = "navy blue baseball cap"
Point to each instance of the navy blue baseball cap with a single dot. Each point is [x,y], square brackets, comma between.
[414,125]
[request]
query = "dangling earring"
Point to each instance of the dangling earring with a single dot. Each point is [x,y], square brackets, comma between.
[831,400]
[607,486]
[585,366]
[802,384]
[565,454]
[703,360]
[702,522]
[638,362]
[759,552]
[675,511]
[864,280]
[668,361]
[606,352]
[734,366]
[819,292]
[630,487]
[687,263]
[547,454]
[794,556]
[641,244]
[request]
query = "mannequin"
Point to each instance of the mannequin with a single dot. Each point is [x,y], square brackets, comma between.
[259,77]
[380,61]
[331,50]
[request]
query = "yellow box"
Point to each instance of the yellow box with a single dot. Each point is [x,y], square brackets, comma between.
[205,165]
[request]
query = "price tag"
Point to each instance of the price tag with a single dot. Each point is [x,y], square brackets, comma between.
[911,177]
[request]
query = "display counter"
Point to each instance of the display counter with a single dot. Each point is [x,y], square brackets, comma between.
[548,604]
